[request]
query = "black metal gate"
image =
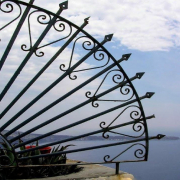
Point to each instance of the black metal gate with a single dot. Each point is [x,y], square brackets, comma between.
[68,84]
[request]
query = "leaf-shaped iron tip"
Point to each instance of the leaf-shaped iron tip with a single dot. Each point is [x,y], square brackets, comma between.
[126,56]
[87,19]
[149,94]
[140,74]
[64,5]
[108,37]
[160,136]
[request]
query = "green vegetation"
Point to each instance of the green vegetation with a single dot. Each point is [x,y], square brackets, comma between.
[38,167]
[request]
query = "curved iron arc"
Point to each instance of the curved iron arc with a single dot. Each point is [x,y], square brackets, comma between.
[120,115]
[89,93]
[23,46]
[58,39]
[126,135]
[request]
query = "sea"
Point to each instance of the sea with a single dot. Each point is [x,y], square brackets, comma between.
[163,161]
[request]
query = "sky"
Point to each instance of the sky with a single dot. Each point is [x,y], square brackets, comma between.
[150,30]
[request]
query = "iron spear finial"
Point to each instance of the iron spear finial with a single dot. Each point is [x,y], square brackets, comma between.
[160,136]
[108,37]
[126,56]
[86,20]
[149,94]
[64,5]
[140,74]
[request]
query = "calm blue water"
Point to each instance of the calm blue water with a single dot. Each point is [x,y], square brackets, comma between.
[163,163]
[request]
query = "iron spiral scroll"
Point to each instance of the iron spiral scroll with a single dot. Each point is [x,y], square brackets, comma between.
[88,83]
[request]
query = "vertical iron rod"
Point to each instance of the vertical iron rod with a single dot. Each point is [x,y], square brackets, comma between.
[117,167]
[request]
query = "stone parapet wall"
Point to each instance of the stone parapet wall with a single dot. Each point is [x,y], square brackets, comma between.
[92,172]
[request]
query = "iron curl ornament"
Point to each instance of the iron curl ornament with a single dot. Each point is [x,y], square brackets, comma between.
[45,19]
[87,45]
[8,7]
[117,78]
[139,152]
[138,126]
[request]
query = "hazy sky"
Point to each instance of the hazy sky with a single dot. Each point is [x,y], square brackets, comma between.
[150,30]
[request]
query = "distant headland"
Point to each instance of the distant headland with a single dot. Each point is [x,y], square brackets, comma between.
[89,138]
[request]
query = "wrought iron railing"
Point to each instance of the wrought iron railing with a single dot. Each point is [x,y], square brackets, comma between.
[97,69]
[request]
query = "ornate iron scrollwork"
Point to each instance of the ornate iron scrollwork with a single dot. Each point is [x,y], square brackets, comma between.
[136,126]
[87,45]
[9,8]
[139,153]
[117,79]
[45,19]
[10,155]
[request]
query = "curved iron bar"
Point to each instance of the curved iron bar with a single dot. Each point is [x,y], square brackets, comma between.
[11,8]
[139,153]
[88,93]
[88,43]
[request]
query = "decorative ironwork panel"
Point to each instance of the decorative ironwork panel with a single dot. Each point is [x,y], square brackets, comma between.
[67,84]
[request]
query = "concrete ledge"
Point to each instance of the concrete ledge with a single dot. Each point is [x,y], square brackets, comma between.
[92,172]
